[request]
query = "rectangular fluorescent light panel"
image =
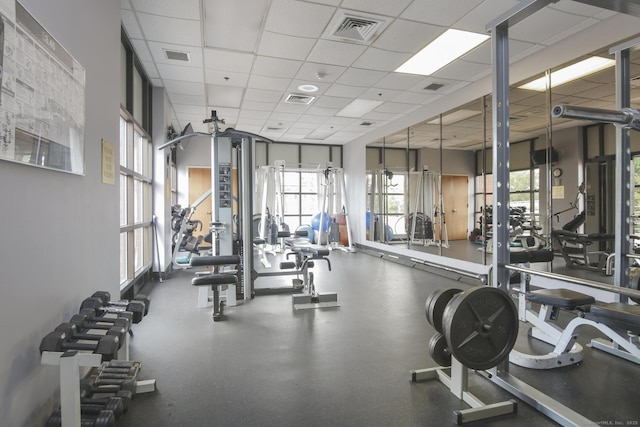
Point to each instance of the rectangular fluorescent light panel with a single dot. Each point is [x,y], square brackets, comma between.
[358,108]
[456,116]
[451,45]
[572,72]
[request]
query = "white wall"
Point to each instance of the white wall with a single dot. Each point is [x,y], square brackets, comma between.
[59,231]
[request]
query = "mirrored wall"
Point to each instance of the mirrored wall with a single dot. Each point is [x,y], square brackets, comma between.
[430,186]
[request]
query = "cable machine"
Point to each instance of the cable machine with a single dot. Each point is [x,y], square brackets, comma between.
[427,204]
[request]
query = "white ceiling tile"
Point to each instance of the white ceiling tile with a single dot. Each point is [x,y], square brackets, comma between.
[381,60]
[399,81]
[462,70]
[226,78]
[439,12]
[407,36]
[187,99]
[328,73]
[318,111]
[188,9]
[174,72]
[389,8]
[125,4]
[131,24]
[379,116]
[170,30]
[257,105]
[261,95]
[296,109]
[576,8]
[544,24]
[228,61]
[223,96]
[275,67]
[189,108]
[150,69]
[396,108]
[332,102]
[416,98]
[254,114]
[184,88]
[478,18]
[297,18]
[156,82]
[345,91]
[268,83]
[335,53]
[234,25]
[288,47]
[360,77]
[378,94]
[250,122]
[284,117]
[310,119]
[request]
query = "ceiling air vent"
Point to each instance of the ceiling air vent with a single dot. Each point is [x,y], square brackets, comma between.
[357,28]
[299,99]
[434,86]
[177,56]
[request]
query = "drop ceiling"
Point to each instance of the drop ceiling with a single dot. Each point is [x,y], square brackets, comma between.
[245,58]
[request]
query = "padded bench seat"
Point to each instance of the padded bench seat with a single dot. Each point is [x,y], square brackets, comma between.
[315,250]
[617,315]
[201,261]
[563,298]
[214,280]
[522,257]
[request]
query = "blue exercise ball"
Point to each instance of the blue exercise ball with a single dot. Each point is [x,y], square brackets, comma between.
[389,232]
[305,232]
[315,222]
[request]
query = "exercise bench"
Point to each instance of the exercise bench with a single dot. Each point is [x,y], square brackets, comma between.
[217,282]
[620,323]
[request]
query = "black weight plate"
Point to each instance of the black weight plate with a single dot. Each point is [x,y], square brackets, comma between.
[435,304]
[480,326]
[438,350]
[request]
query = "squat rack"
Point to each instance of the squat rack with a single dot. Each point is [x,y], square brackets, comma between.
[499,30]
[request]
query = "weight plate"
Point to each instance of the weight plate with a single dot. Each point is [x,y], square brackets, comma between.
[438,350]
[480,326]
[435,304]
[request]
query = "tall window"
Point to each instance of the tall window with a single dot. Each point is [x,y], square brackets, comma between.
[135,201]
[136,168]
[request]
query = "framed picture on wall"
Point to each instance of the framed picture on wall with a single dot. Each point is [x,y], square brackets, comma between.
[42,101]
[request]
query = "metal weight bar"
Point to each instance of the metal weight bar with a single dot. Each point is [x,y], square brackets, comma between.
[631,293]
[627,117]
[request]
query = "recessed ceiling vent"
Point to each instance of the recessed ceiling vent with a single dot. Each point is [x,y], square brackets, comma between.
[434,86]
[357,28]
[299,99]
[177,55]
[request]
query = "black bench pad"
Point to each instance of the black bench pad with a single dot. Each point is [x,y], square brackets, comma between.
[315,250]
[214,279]
[200,261]
[563,298]
[617,315]
[521,257]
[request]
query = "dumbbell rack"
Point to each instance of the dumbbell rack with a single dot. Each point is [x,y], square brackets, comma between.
[70,363]
[456,378]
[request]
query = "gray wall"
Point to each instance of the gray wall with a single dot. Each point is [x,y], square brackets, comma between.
[59,231]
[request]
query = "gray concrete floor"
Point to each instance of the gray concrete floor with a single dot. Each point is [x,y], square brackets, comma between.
[267,364]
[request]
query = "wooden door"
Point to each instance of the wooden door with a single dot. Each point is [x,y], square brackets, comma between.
[199,183]
[455,200]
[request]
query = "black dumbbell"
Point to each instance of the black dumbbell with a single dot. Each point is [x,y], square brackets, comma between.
[77,333]
[97,303]
[91,394]
[107,345]
[106,298]
[97,315]
[93,386]
[86,321]
[102,419]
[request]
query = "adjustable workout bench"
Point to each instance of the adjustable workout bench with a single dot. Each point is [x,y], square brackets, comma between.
[575,247]
[619,322]
[305,255]
[217,282]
